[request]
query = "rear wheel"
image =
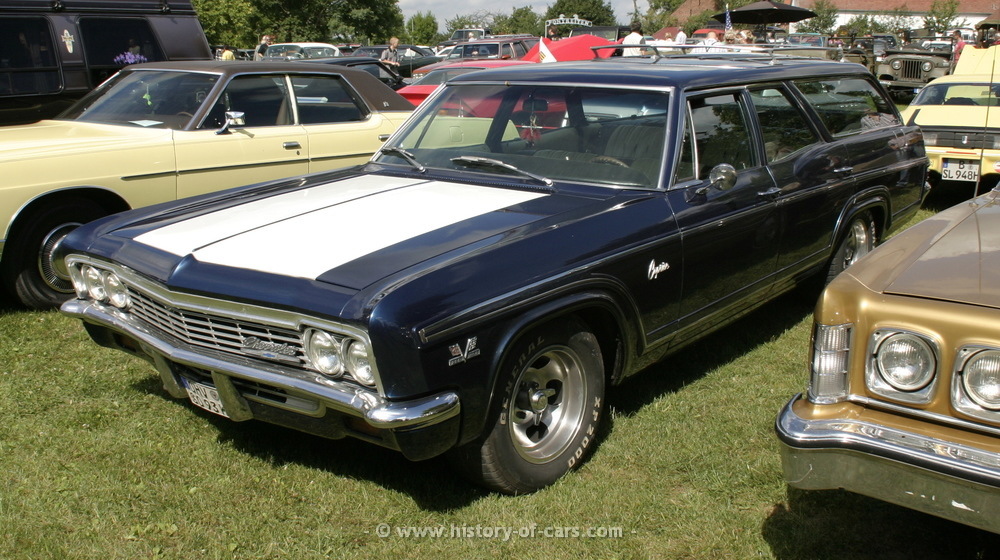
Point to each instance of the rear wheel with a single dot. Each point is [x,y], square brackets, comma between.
[858,241]
[553,397]
[29,270]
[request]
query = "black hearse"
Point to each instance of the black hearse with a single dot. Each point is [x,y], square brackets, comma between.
[54,51]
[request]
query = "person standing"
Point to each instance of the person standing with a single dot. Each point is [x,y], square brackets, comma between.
[227,53]
[265,41]
[634,38]
[681,38]
[959,44]
[391,55]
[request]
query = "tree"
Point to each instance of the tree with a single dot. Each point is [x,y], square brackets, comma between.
[599,12]
[374,21]
[941,16]
[469,21]
[422,29]
[229,22]
[520,20]
[824,22]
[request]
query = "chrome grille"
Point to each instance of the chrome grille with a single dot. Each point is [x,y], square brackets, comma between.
[211,331]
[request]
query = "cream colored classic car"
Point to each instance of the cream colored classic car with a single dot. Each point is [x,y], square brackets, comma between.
[904,397]
[162,131]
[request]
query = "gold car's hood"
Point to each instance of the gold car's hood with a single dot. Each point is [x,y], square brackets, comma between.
[953,256]
[50,137]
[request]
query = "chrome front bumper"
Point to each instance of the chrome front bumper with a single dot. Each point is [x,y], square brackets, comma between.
[931,475]
[311,394]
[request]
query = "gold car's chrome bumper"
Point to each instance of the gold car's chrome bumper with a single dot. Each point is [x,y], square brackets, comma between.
[931,475]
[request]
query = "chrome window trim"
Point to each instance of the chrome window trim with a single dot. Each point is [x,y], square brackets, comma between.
[874,381]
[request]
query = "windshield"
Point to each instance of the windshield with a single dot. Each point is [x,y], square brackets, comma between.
[476,50]
[982,95]
[595,135]
[159,99]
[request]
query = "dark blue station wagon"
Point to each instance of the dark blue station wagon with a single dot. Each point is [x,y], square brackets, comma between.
[531,236]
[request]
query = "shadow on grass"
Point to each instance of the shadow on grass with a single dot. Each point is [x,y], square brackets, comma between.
[433,484]
[690,363]
[835,524]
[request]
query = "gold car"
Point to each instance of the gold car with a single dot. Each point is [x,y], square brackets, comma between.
[162,131]
[903,402]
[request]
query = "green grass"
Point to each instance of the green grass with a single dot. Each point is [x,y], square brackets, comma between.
[97,462]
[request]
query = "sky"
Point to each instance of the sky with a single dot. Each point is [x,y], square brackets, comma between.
[444,10]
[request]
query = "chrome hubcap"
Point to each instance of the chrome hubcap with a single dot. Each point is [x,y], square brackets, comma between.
[548,405]
[50,274]
[859,243]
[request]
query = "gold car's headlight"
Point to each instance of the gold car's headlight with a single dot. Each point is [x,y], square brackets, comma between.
[902,365]
[981,379]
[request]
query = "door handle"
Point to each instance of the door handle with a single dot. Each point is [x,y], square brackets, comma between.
[772,192]
[844,170]
[292,146]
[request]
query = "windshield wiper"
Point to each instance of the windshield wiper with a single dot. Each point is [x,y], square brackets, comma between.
[489,162]
[405,155]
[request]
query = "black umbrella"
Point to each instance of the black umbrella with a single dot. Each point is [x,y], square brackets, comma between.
[764,12]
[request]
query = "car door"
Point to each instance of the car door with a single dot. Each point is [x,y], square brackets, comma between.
[270,145]
[342,130]
[881,153]
[812,177]
[729,230]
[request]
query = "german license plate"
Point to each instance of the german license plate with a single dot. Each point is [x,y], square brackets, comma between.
[205,396]
[960,170]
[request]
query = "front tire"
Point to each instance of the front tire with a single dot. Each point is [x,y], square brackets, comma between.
[859,239]
[553,393]
[29,271]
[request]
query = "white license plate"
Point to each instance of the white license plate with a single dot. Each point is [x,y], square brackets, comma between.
[205,396]
[960,170]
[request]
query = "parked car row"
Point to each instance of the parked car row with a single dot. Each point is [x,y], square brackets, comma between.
[529,237]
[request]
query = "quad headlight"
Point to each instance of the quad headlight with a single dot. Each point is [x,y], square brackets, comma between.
[104,286]
[905,361]
[902,365]
[335,355]
[981,379]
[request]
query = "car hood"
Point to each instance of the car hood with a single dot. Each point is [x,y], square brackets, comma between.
[48,138]
[953,116]
[953,256]
[353,232]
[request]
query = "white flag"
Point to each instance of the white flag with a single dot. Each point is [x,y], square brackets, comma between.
[544,54]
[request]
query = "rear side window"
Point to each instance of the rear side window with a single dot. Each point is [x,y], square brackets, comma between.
[784,128]
[849,105]
[325,99]
[27,57]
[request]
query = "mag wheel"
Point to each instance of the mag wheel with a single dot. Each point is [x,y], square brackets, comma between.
[552,405]
[858,241]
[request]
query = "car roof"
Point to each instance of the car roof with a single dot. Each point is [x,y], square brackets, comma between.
[685,71]
[378,95]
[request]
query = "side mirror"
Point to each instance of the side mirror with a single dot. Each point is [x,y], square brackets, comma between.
[233,119]
[722,176]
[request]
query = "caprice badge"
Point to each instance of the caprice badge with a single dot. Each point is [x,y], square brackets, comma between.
[271,350]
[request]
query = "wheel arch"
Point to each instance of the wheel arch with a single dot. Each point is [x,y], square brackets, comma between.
[612,323]
[107,199]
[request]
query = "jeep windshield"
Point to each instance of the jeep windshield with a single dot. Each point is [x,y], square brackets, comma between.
[150,99]
[591,135]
